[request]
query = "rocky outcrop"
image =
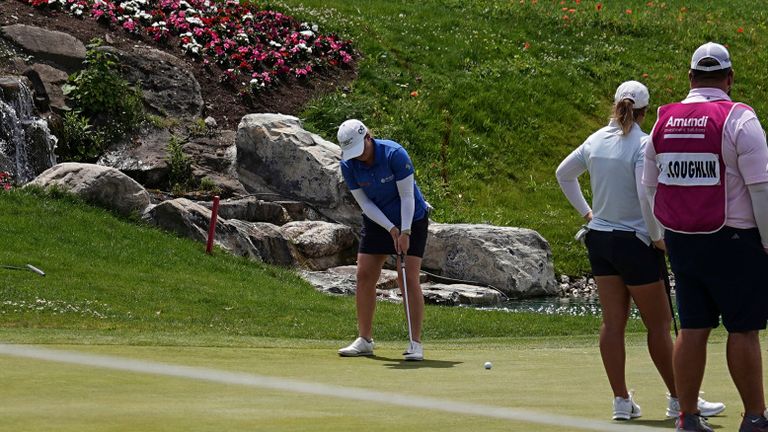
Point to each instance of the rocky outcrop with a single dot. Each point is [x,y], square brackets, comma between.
[47,81]
[52,46]
[274,150]
[315,245]
[341,280]
[104,186]
[517,261]
[321,244]
[167,85]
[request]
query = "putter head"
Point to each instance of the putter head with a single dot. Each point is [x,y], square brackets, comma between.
[35,269]
[581,234]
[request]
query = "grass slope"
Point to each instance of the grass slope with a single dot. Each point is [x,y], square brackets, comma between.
[108,276]
[505,89]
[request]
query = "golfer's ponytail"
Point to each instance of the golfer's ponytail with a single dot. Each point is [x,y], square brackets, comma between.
[625,115]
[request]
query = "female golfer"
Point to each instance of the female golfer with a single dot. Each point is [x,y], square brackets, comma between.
[624,262]
[379,174]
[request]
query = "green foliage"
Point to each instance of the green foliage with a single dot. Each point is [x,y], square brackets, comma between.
[197,128]
[208,185]
[79,140]
[505,90]
[180,178]
[106,107]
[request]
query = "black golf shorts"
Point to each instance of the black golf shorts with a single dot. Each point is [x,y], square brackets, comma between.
[720,274]
[375,240]
[621,253]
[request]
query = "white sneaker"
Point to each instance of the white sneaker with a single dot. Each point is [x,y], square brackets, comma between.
[360,347]
[706,408]
[625,409]
[414,352]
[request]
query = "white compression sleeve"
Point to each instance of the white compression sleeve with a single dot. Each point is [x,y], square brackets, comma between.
[407,202]
[759,194]
[567,176]
[645,194]
[370,209]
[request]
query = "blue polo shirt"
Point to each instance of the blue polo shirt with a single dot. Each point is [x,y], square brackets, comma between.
[391,164]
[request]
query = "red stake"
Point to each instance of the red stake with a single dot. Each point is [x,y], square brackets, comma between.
[212,228]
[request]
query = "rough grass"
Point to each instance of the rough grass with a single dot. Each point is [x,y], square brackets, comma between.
[488,96]
[118,278]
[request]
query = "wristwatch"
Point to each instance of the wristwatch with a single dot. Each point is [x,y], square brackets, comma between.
[406,232]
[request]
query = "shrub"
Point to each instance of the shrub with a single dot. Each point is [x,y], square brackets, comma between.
[103,95]
[208,185]
[79,140]
[180,178]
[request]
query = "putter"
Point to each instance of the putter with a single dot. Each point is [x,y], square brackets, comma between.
[405,299]
[29,267]
[667,285]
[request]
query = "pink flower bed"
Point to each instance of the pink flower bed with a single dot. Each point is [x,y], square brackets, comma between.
[255,48]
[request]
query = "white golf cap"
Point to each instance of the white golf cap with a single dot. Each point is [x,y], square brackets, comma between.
[351,138]
[635,91]
[718,56]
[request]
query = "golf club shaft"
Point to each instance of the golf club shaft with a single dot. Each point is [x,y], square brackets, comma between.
[405,298]
[667,285]
[29,267]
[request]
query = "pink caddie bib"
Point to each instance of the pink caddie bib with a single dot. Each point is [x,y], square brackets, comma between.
[688,139]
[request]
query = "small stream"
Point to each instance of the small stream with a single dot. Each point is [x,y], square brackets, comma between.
[573,306]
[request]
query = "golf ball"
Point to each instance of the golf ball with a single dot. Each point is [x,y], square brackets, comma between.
[488,365]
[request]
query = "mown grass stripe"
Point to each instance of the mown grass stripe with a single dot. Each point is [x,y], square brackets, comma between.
[295,386]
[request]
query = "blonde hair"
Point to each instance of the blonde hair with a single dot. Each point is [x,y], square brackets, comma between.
[625,115]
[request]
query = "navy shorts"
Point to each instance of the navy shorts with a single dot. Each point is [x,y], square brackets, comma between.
[621,253]
[375,240]
[720,274]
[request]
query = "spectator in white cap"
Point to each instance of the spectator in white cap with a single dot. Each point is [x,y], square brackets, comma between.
[706,169]
[380,175]
[625,263]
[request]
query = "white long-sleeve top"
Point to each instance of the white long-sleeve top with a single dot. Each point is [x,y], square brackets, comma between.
[615,165]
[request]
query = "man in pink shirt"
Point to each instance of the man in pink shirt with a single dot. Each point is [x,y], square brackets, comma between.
[705,168]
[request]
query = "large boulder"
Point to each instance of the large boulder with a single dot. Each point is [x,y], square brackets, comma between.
[274,150]
[105,186]
[168,86]
[47,82]
[517,261]
[321,244]
[52,46]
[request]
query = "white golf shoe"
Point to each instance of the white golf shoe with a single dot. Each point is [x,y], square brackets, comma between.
[625,409]
[706,408]
[414,352]
[360,347]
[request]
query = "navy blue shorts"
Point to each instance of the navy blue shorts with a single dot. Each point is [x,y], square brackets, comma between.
[720,274]
[375,240]
[621,253]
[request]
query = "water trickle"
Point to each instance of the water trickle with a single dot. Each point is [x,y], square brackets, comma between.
[26,144]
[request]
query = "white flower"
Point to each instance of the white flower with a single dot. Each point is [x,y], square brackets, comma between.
[274,44]
[307,33]
[195,21]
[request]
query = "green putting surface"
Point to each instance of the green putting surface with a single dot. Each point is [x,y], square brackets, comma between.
[537,376]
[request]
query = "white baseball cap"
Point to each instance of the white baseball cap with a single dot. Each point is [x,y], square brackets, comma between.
[351,137]
[634,91]
[713,51]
